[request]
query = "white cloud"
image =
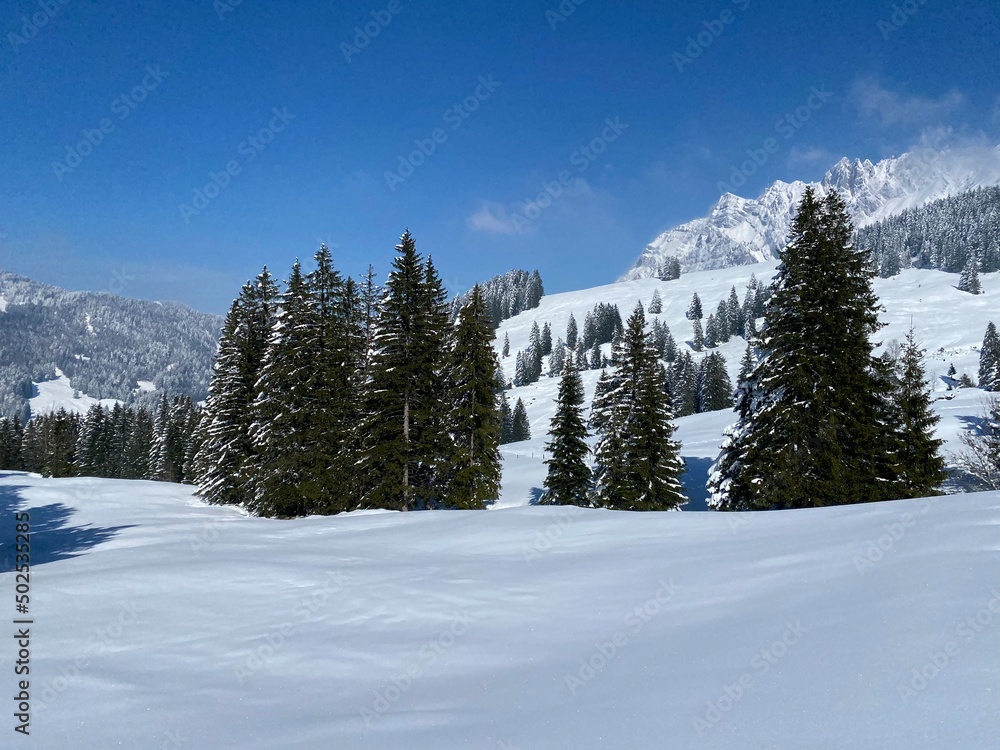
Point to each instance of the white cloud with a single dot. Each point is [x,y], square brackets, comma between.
[492,218]
[809,156]
[875,101]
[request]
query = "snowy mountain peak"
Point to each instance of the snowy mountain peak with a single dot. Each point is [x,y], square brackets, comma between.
[739,231]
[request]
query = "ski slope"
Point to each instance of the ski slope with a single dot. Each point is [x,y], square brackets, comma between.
[948,323]
[163,622]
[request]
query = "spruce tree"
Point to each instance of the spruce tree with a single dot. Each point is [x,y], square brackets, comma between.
[546,340]
[224,462]
[698,338]
[568,480]
[694,309]
[815,430]
[474,414]
[520,428]
[406,431]
[989,360]
[638,464]
[571,332]
[655,304]
[715,389]
[921,465]
[558,358]
[969,279]
[506,421]
[506,346]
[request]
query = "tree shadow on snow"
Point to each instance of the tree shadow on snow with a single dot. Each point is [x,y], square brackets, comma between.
[52,536]
[536,495]
[695,480]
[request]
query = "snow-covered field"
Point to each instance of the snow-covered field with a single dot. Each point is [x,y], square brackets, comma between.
[162,622]
[56,394]
[948,323]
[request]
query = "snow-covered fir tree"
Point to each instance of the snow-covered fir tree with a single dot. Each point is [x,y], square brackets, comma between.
[473,410]
[989,360]
[638,464]
[813,428]
[568,480]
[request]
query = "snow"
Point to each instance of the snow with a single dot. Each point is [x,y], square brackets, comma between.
[948,323]
[161,620]
[3,304]
[741,230]
[146,386]
[52,395]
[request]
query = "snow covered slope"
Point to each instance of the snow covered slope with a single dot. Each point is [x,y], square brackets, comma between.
[162,622]
[738,230]
[949,324]
[53,395]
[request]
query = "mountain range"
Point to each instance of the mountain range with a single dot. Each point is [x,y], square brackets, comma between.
[741,231]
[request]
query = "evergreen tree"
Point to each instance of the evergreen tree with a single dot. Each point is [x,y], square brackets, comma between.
[571,332]
[224,463]
[11,437]
[694,309]
[989,360]
[698,337]
[683,383]
[580,361]
[546,340]
[506,345]
[715,389]
[558,358]
[655,304]
[520,370]
[815,431]
[569,478]
[969,279]
[520,429]
[638,462]
[921,465]
[506,421]
[596,360]
[474,412]
[406,411]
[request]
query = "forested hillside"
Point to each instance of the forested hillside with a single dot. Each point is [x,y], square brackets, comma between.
[103,343]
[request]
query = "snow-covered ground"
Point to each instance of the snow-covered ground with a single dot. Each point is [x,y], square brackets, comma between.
[948,323]
[162,622]
[53,395]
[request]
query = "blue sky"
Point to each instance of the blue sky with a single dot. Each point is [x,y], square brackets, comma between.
[168,150]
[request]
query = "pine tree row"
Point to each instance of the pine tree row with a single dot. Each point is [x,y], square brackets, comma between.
[118,443]
[332,395]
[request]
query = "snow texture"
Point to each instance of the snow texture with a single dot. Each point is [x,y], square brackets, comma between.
[162,622]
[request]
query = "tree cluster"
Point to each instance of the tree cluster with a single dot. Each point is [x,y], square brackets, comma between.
[821,420]
[334,395]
